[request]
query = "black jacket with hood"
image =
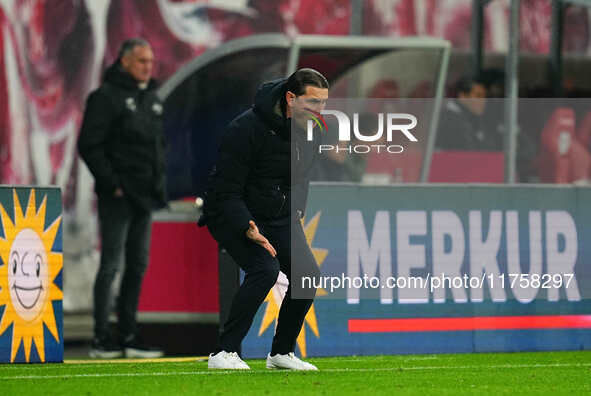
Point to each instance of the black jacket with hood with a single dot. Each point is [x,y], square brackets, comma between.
[122,140]
[262,171]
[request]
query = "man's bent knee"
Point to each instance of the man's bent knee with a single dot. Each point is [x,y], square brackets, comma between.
[268,277]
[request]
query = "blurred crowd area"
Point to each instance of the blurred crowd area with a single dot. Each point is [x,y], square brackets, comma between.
[553,134]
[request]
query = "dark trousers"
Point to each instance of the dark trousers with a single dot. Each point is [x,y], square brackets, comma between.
[125,235]
[261,271]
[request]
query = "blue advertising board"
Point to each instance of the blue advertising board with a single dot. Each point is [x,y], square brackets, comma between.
[443,268]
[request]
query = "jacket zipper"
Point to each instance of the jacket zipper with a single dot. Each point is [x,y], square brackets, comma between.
[283,197]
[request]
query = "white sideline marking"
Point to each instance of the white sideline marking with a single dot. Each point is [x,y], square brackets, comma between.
[402,359]
[345,370]
[86,365]
[177,362]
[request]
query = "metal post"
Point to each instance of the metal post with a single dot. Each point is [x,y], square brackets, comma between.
[555,60]
[477,34]
[582,3]
[512,92]
[356,27]
[432,136]
[293,57]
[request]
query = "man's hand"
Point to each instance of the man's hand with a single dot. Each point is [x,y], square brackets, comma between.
[254,235]
[118,192]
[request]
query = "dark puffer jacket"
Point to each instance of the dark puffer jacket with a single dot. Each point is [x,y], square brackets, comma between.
[263,166]
[122,140]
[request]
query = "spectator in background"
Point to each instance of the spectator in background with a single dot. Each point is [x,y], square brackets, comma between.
[342,165]
[383,96]
[462,125]
[494,112]
[355,164]
[494,82]
[122,142]
[329,165]
[379,167]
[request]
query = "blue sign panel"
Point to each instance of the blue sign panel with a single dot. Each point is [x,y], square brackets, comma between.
[433,269]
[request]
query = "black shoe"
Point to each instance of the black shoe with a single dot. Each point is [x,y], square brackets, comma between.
[105,348]
[133,347]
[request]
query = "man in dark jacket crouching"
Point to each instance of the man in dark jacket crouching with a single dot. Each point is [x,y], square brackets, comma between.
[122,142]
[254,203]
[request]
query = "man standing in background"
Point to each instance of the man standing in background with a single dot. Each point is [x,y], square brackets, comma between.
[122,142]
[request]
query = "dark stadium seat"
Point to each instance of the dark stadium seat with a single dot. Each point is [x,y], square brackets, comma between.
[467,167]
[584,131]
[563,158]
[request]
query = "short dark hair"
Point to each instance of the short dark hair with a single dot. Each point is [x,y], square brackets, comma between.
[128,45]
[465,84]
[302,78]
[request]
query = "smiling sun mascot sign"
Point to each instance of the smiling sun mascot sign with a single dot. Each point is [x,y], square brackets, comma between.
[31,316]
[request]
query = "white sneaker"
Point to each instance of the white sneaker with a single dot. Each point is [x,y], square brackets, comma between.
[226,361]
[289,362]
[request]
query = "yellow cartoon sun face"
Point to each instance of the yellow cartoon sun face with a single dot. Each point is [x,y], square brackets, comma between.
[28,274]
[28,268]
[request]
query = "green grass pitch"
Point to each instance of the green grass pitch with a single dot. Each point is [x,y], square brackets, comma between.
[551,373]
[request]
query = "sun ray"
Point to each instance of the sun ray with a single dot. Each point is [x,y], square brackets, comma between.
[31,206]
[275,295]
[48,318]
[39,342]
[311,227]
[9,233]
[18,212]
[271,312]
[6,318]
[41,213]
[50,233]
[16,342]
[7,224]
[321,292]
[56,264]
[312,322]
[27,342]
[301,342]
[319,254]
[313,325]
